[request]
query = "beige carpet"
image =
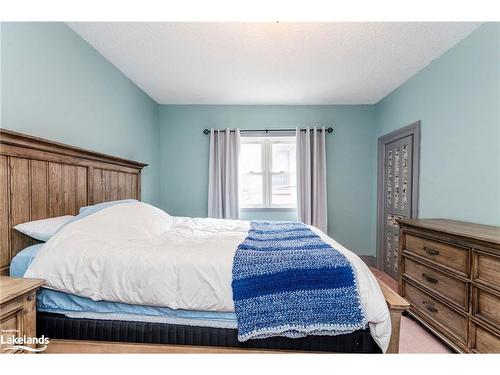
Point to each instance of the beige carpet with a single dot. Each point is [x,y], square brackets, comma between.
[413,337]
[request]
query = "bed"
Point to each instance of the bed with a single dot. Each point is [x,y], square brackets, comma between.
[41,179]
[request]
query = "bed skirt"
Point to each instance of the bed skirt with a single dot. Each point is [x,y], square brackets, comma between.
[57,326]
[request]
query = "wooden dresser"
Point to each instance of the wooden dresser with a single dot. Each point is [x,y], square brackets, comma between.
[450,275]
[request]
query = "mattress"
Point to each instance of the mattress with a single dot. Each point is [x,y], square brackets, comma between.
[58,326]
[73,306]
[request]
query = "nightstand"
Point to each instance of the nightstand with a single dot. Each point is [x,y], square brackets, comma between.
[17,311]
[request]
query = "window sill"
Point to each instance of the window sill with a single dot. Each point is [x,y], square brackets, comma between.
[268,209]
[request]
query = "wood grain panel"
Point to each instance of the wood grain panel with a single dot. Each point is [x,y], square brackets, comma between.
[485,341]
[134,191]
[98,186]
[4,214]
[487,306]
[487,270]
[56,203]
[39,189]
[19,203]
[113,186]
[81,187]
[106,178]
[128,185]
[11,323]
[121,185]
[69,189]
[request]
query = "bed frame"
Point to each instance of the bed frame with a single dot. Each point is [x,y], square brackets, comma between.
[41,179]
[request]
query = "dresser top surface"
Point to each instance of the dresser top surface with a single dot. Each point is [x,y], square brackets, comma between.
[487,233]
[13,287]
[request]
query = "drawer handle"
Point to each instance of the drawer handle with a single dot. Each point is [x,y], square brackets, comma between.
[430,278]
[430,307]
[430,251]
[31,297]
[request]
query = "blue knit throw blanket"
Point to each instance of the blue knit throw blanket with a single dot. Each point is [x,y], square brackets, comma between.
[288,282]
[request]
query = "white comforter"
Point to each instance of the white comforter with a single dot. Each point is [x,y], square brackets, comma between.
[136,253]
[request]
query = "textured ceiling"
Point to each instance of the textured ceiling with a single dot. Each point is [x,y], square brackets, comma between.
[270,63]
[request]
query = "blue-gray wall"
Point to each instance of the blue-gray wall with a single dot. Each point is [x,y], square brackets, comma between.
[54,85]
[350,152]
[457,99]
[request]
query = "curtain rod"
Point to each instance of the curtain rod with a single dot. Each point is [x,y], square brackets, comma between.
[207,131]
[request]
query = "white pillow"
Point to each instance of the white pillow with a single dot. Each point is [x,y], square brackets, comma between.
[43,229]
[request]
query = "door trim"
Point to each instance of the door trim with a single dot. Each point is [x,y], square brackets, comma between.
[414,130]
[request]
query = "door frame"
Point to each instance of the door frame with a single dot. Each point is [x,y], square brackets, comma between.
[414,130]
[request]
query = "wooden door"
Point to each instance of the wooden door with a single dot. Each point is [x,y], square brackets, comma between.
[398,190]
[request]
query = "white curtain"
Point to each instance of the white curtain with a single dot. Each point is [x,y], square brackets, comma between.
[311,177]
[223,174]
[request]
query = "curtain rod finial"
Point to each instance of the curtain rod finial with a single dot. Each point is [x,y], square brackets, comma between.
[206,131]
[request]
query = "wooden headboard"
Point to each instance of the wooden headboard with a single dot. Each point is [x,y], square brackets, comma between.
[41,179]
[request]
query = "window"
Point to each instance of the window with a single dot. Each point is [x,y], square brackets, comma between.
[268,173]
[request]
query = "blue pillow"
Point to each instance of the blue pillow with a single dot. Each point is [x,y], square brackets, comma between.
[23,259]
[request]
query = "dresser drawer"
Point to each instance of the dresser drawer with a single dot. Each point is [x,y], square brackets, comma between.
[484,340]
[450,288]
[487,269]
[447,255]
[486,306]
[437,313]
